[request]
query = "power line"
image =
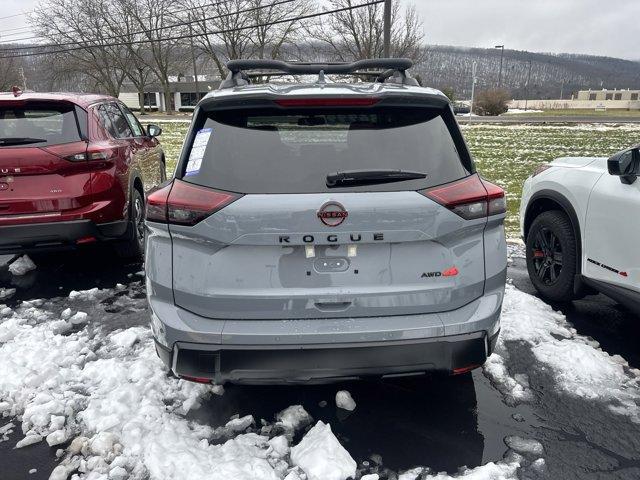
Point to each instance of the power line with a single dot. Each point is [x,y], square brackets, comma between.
[156,29]
[182,37]
[15,15]
[170,12]
[24,27]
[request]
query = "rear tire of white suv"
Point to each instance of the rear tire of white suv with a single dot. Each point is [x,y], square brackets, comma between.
[551,256]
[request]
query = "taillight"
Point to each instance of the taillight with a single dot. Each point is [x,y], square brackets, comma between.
[470,197]
[497,202]
[156,208]
[328,102]
[80,152]
[182,203]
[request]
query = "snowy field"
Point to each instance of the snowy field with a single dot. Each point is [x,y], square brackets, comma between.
[80,374]
[505,154]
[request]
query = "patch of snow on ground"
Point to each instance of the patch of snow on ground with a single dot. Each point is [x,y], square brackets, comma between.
[345,401]
[513,111]
[577,364]
[524,446]
[22,265]
[321,455]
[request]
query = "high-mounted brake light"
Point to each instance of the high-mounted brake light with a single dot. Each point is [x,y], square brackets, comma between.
[327,102]
[471,197]
[182,203]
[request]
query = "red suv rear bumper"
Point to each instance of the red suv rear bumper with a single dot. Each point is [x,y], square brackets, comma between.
[58,235]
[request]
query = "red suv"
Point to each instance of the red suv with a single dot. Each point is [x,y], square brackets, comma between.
[74,170]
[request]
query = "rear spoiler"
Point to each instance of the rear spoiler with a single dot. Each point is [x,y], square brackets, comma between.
[392,69]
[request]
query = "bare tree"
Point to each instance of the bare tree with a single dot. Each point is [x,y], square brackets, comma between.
[79,24]
[10,73]
[245,28]
[357,33]
[153,27]
[274,27]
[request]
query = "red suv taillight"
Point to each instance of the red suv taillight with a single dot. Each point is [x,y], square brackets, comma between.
[182,203]
[79,151]
[471,197]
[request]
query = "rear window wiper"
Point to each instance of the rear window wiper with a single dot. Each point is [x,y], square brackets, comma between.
[352,178]
[20,140]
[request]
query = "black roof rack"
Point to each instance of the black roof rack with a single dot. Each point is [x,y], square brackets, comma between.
[393,69]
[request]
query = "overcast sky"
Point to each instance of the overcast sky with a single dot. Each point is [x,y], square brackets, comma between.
[594,27]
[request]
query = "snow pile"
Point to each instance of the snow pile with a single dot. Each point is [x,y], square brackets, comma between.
[7,293]
[294,417]
[321,456]
[345,401]
[117,405]
[578,366]
[22,265]
[92,295]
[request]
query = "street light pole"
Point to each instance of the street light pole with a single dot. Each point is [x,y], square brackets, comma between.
[193,59]
[473,87]
[526,95]
[387,28]
[501,47]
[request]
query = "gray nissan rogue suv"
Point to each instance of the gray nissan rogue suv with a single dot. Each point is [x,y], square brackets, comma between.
[322,231]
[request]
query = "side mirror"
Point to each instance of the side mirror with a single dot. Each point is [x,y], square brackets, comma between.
[626,165]
[153,130]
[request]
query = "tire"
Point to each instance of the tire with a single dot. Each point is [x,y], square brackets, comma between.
[163,170]
[133,247]
[552,256]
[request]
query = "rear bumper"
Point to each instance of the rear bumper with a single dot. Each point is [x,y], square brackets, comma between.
[327,363]
[321,350]
[56,235]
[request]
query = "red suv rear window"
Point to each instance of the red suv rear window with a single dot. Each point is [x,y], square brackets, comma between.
[38,125]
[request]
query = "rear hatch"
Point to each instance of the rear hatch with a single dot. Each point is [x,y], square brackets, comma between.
[297,210]
[42,157]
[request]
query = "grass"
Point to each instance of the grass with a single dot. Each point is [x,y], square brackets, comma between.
[578,112]
[504,154]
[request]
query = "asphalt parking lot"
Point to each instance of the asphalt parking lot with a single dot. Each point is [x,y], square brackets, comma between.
[440,423]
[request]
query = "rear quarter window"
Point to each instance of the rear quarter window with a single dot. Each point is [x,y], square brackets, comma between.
[272,150]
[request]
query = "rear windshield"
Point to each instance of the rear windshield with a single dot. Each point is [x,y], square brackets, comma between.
[293,151]
[38,125]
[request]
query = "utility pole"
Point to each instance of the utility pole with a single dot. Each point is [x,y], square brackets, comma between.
[526,95]
[387,28]
[193,59]
[24,79]
[473,87]
[501,47]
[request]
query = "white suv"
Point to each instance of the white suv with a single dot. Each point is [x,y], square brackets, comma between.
[580,219]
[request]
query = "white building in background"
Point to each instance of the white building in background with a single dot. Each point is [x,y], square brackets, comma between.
[587,100]
[183,94]
[607,95]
